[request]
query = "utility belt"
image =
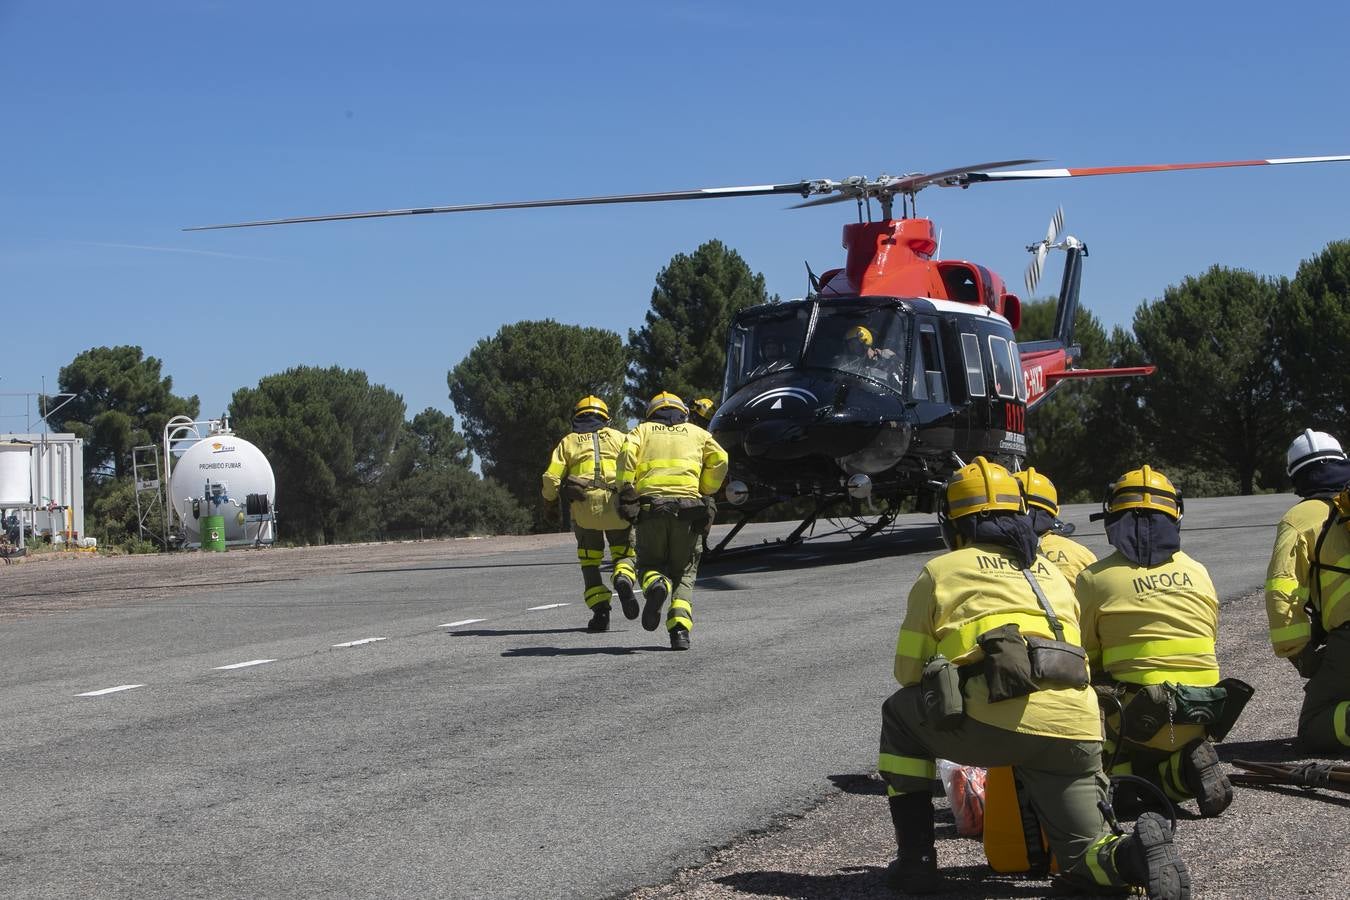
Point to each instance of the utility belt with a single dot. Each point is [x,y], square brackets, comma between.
[1014,665]
[686,509]
[576,489]
[1146,709]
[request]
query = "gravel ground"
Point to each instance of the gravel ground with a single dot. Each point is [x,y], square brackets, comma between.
[1283,842]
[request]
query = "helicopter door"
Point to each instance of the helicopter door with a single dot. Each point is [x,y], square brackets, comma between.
[1007,422]
[937,416]
[973,421]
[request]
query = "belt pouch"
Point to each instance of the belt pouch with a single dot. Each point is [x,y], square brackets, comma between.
[943,705]
[1057,663]
[1007,665]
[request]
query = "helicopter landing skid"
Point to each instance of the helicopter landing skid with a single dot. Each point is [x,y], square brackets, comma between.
[721,550]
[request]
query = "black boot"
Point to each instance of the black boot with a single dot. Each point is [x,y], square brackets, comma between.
[654,597]
[599,618]
[623,586]
[679,638]
[1205,778]
[1149,859]
[915,868]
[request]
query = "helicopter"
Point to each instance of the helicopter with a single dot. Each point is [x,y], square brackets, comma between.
[895,368]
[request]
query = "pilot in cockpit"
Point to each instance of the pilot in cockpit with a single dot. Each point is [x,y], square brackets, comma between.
[860,351]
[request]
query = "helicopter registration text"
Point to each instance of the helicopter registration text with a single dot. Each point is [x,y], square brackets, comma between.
[1035,377]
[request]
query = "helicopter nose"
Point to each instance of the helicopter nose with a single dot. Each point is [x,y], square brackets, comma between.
[776,439]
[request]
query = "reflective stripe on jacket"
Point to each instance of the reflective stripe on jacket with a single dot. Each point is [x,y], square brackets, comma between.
[1288,575]
[671,461]
[577,455]
[1150,624]
[964,593]
[1070,557]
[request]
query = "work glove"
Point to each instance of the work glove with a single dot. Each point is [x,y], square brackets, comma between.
[629,504]
[573,491]
[711,506]
[1308,660]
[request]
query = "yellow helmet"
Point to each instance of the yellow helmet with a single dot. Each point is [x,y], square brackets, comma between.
[704,407]
[666,400]
[1039,490]
[591,404]
[1144,488]
[859,332]
[982,486]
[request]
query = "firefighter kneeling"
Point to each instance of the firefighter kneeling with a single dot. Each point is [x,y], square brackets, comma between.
[1306,587]
[668,469]
[1150,622]
[992,675]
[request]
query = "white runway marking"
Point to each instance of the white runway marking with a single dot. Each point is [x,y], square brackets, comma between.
[242,665]
[548,606]
[460,622]
[361,641]
[111,690]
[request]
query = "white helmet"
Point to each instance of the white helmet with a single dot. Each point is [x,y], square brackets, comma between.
[1310,447]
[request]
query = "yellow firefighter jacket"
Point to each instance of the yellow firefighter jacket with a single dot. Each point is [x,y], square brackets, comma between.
[1331,588]
[964,593]
[591,458]
[1147,625]
[1070,557]
[1288,577]
[671,461]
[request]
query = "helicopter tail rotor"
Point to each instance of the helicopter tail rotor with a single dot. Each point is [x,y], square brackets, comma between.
[1041,249]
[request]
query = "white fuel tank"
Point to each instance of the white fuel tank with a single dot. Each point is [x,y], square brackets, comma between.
[215,477]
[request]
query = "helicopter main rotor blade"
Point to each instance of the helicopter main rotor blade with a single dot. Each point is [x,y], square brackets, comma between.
[802,188]
[972,177]
[905,184]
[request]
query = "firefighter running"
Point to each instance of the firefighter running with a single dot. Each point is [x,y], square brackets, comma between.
[1150,623]
[976,608]
[667,471]
[582,470]
[1306,584]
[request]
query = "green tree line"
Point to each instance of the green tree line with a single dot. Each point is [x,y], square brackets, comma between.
[1244,361]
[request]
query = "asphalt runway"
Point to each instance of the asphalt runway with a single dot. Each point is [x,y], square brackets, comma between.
[413,722]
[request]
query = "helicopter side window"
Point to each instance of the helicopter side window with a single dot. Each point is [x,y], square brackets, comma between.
[1005,379]
[1017,370]
[927,382]
[970,351]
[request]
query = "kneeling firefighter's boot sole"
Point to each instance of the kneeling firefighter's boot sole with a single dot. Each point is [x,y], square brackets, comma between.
[1148,858]
[654,597]
[1205,777]
[624,588]
[599,618]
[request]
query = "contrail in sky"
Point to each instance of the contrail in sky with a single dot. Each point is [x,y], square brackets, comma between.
[171,250]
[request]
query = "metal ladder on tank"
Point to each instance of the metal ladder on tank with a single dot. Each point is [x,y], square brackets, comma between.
[149,494]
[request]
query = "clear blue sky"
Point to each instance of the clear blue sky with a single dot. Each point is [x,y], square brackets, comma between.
[123,122]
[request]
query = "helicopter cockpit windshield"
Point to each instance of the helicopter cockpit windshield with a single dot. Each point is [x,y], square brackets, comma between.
[861,338]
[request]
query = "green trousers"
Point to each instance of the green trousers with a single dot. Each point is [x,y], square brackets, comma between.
[1063,778]
[591,553]
[1322,725]
[669,546]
